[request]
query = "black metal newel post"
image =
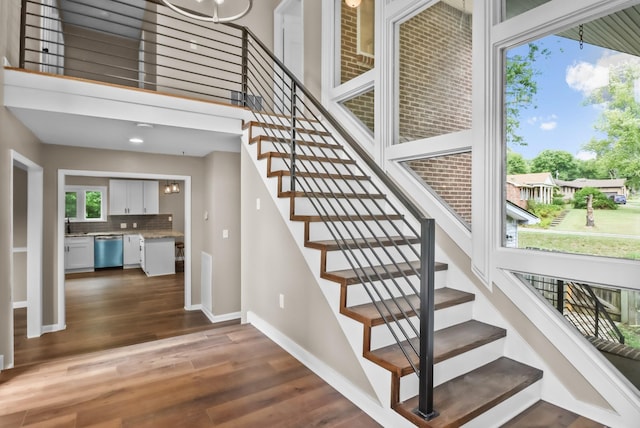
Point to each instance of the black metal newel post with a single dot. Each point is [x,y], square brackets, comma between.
[427,278]
[293,138]
[245,67]
[560,296]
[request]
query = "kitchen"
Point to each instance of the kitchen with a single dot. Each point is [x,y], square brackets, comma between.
[117,223]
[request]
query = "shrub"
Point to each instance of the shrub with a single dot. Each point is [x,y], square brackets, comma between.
[600,200]
[545,212]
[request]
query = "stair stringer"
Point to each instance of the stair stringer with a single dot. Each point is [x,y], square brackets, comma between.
[379,378]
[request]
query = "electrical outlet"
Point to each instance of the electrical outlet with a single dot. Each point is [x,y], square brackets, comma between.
[170,218]
[281,301]
[257,203]
[123,225]
[225,234]
[135,225]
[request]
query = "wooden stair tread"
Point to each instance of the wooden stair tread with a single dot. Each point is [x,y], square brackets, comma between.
[350,276]
[466,397]
[447,343]
[333,245]
[301,157]
[334,195]
[287,141]
[321,175]
[346,217]
[444,298]
[544,414]
[287,128]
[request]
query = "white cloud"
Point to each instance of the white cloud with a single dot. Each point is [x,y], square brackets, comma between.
[585,77]
[548,123]
[549,126]
[585,155]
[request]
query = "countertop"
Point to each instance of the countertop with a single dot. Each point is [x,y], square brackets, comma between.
[146,234]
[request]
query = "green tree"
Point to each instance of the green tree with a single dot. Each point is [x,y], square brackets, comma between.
[93,204]
[70,204]
[600,200]
[559,163]
[619,150]
[521,88]
[592,168]
[516,164]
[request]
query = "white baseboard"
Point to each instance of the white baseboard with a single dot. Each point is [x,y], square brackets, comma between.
[1,362]
[215,318]
[52,328]
[20,305]
[354,394]
[6,62]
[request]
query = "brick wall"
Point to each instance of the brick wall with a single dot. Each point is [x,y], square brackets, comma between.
[353,65]
[435,73]
[513,196]
[362,107]
[450,177]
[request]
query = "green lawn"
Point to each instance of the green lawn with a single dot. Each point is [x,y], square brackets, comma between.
[625,248]
[623,221]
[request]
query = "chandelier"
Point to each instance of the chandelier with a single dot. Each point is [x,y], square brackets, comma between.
[215,17]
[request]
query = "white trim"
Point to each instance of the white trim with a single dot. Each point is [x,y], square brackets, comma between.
[52,328]
[328,374]
[62,174]
[6,62]
[20,305]
[216,318]
[35,215]
[17,250]
[447,144]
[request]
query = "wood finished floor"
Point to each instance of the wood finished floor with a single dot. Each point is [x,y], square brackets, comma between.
[223,375]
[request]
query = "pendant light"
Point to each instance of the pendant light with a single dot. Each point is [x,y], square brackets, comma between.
[175,187]
[353,3]
[167,188]
[215,17]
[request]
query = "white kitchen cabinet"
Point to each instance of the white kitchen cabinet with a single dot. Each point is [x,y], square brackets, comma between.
[158,256]
[133,197]
[131,251]
[151,195]
[78,254]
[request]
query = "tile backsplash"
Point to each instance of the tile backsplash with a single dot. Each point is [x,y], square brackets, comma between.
[143,222]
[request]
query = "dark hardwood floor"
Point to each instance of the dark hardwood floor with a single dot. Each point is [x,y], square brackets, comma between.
[111,308]
[204,375]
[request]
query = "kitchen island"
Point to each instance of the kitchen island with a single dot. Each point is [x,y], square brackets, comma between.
[157,252]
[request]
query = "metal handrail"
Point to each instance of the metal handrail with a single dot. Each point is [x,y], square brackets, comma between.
[377,238]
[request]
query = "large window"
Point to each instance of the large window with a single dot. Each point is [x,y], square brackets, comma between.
[572,140]
[85,203]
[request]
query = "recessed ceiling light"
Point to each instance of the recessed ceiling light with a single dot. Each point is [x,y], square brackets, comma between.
[144,125]
[136,140]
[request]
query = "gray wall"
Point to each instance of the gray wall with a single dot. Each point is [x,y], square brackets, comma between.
[222,204]
[272,265]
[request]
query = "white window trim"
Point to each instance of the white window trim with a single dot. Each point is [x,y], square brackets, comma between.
[488,253]
[81,201]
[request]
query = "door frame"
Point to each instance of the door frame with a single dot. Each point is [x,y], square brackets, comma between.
[35,220]
[62,175]
[285,8]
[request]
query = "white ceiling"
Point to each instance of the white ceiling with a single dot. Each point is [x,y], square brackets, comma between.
[114,134]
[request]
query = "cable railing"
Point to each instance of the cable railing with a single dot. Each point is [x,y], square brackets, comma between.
[580,305]
[386,241]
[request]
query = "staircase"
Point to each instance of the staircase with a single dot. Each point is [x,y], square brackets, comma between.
[474,382]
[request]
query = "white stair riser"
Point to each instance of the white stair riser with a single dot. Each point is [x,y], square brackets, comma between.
[284,146]
[312,166]
[447,317]
[337,260]
[328,185]
[454,367]
[340,206]
[356,294]
[319,231]
[505,411]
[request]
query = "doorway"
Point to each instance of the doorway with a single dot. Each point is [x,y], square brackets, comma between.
[289,44]
[29,237]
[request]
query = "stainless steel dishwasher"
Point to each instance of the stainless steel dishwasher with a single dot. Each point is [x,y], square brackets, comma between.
[107,251]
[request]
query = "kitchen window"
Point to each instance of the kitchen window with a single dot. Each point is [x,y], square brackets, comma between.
[85,203]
